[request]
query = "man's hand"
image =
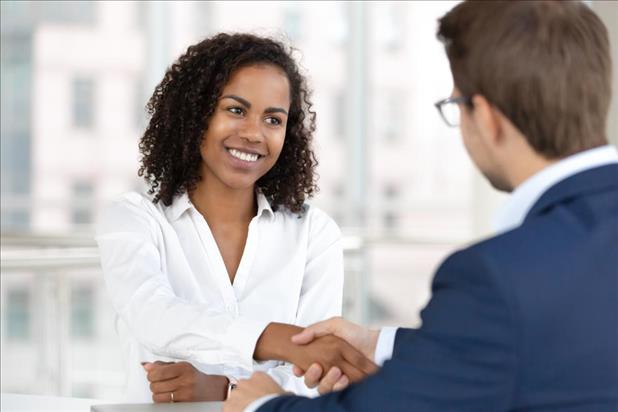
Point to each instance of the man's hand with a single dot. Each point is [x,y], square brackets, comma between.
[329,351]
[326,350]
[361,338]
[248,390]
[334,380]
[186,383]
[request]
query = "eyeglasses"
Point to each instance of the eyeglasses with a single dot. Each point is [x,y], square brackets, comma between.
[449,109]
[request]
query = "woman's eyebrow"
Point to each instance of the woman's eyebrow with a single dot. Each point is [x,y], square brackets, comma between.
[239,99]
[276,110]
[246,103]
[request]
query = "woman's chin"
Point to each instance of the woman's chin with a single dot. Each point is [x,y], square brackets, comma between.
[240,184]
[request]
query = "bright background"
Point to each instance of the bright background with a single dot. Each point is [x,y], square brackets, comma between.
[75,77]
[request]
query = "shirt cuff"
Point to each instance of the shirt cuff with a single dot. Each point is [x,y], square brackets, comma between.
[256,404]
[240,340]
[385,345]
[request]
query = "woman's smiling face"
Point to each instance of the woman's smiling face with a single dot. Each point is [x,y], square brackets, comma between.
[246,132]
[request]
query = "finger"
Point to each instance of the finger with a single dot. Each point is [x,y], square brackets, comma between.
[304,337]
[164,372]
[151,365]
[170,385]
[359,360]
[182,395]
[329,380]
[313,375]
[326,327]
[163,397]
[342,383]
[351,371]
[298,372]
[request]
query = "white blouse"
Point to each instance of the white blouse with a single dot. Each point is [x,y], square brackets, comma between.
[174,299]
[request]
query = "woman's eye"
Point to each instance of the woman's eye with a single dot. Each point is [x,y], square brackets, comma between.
[273,121]
[236,110]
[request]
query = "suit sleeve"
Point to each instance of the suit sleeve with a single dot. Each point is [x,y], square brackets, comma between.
[462,358]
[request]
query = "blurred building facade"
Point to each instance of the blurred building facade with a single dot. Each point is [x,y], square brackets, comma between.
[75,80]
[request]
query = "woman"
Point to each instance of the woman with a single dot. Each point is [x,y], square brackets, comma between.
[223,252]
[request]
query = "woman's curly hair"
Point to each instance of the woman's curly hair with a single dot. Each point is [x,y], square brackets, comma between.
[183,103]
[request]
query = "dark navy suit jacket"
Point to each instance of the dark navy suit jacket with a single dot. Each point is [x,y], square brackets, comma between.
[524,321]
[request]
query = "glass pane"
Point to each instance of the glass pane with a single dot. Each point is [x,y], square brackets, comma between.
[18,314]
[82,312]
[83,102]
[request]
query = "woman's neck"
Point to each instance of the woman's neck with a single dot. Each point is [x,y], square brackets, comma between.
[222,204]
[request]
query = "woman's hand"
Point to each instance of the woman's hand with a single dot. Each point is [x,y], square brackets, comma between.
[327,351]
[330,351]
[186,383]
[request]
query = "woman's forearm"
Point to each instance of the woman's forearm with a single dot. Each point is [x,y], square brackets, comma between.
[275,343]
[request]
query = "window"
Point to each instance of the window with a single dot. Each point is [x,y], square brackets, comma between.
[339,27]
[82,390]
[68,13]
[83,102]
[18,314]
[337,191]
[15,160]
[391,192]
[393,108]
[390,24]
[82,312]
[140,104]
[15,144]
[292,21]
[82,203]
[391,195]
[340,115]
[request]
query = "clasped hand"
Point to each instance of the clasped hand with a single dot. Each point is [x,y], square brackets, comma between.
[355,365]
[330,353]
[337,346]
[182,382]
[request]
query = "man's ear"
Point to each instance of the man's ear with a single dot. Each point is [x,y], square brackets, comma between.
[487,120]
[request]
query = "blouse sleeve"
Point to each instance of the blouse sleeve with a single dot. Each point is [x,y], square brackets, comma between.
[164,323]
[321,293]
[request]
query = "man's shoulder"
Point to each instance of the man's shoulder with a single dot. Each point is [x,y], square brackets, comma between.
[582,213]
[552,246]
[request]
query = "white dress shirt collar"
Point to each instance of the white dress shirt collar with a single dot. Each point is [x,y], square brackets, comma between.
[514,211]
[182,203]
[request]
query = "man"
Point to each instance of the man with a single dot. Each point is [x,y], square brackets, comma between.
[526,320]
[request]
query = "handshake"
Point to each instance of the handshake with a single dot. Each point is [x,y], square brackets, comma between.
[330,355]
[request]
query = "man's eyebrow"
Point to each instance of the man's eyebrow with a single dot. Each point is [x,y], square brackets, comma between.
[239,99]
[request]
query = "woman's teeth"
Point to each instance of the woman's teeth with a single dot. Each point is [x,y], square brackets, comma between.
[247,157]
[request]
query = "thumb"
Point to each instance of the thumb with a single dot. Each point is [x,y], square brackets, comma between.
[304,337]
[326,327]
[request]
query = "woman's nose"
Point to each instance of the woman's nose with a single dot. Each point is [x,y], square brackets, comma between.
[251,131]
